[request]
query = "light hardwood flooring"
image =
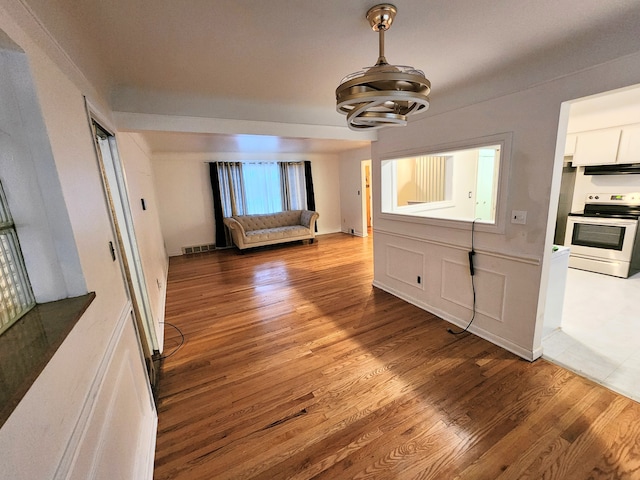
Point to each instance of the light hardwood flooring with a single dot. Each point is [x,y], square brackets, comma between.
[295,367]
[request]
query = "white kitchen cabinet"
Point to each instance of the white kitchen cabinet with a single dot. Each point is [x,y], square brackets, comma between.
[629,150]
[570,144]
[597,147]
[555,290]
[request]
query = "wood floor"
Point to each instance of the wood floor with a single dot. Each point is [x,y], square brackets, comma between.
[295,367]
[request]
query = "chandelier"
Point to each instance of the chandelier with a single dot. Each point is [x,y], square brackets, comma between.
[382,95]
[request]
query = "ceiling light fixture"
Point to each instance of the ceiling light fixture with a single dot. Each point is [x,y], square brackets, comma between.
[382,95]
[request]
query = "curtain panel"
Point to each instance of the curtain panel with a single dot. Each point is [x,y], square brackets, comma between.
[311,198]
[229,197]
[430,178]
[221,240]
[284,186]
[293,185]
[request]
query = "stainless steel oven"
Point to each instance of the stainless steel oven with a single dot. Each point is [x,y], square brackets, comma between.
[605,237]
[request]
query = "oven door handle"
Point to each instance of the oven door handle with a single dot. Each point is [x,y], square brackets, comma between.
[613,222]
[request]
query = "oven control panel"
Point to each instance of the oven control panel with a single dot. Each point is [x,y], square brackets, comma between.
[614,198]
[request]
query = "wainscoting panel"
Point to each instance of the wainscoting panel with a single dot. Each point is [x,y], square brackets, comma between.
[115,435]
[405,265]
[490,288]
[506,303]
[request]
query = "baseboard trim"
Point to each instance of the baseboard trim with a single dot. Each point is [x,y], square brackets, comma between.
[355,233]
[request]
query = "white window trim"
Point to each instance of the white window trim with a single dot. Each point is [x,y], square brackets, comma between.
[499,226]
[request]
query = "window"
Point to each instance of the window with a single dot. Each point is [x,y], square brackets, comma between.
[456,185]
[250,188]
[16,296]
[262,187]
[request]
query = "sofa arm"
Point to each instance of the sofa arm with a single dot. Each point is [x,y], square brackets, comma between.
[237,232]
[308,219]
[233,224]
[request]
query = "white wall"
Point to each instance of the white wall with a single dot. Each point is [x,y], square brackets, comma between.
[511,265]
[186,203]
[56,418]
[32,186]
[326,184]
[620,107]
[352,213]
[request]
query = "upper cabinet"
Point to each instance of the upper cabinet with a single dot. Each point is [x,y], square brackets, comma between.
[606,146]
[629,150]
[570,145]
[597,147]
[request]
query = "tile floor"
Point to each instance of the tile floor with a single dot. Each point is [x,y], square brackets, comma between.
[600,331]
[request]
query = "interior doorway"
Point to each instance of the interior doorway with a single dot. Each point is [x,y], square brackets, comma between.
[366,198]
[598,322]
[126,250]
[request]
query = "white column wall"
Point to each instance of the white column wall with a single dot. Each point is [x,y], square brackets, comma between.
[32,186]
[56,418]
[351,192]
[511,266]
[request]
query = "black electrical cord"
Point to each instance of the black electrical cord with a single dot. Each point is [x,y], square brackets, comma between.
[181,340]
[473,283]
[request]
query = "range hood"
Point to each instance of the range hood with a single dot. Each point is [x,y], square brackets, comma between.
[615,169]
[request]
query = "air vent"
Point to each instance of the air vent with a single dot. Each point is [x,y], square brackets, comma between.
[198,249]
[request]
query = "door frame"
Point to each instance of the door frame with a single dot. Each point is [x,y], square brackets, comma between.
[367,196]
[117,198]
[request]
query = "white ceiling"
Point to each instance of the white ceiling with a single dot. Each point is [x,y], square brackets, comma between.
[256,62]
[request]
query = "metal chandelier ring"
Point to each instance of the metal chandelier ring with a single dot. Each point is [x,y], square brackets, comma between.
[368,110]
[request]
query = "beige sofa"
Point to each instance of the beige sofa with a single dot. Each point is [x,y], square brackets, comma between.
[250,231]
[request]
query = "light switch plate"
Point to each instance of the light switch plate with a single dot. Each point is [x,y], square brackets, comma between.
[519,217]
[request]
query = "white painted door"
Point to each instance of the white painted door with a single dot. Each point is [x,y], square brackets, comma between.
[115,187]
[485,184]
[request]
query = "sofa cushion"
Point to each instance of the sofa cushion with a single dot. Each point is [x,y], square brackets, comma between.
[267,234]
[269,220]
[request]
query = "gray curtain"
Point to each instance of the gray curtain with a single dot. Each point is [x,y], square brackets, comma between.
[229,197]
[284,186]
[292,185]
[234,199]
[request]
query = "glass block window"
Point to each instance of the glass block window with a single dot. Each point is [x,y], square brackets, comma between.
[16,296]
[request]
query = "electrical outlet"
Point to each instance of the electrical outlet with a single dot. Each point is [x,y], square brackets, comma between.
[519,217]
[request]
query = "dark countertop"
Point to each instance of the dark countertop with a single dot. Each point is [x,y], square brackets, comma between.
[28,345]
